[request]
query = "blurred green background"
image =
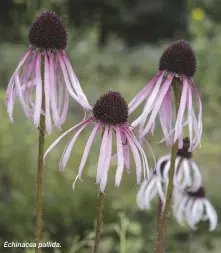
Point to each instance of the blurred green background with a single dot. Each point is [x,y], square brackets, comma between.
[113,45]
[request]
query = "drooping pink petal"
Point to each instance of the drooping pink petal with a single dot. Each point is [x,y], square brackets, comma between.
[54,107]
[199,120]
[149,104]
[68,149]
[143,155]
[38,99]
[106,167]
[65,108]
[60,90]
[180,115]
[126,150]
[11,82]
[76,85]
[136,158]
[102,154]
[165,116]
[20,96]
[190,108]
[157,103]
[47,96]
[85,122]
[87,148]
[120,158]
[67,80]
[142,95]
[9,98]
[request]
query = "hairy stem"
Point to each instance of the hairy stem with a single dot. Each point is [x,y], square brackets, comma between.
[99,221]
[40,169]
[162,227]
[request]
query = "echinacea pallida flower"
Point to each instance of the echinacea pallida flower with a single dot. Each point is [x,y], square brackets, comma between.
[151,188]
[110,114]
[178,62]
[45,56]
[187,173]
[192,206]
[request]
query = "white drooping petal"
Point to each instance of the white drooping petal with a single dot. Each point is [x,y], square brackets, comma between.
[212,215]
[197,179]
[187,172]
[140,194]
[163,159]
[150,192]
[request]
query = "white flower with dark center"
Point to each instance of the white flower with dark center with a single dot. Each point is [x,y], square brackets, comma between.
[152,188]
[192,206]
[187,173]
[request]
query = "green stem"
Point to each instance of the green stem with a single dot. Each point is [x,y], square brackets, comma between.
[162,227]
[40,169]
[159,211]
[99,221]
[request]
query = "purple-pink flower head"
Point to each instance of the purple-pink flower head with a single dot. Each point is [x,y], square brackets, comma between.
[176,67]
[44,78]
[109,117]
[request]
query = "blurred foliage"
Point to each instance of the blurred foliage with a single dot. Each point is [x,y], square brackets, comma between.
[69,216]
[133,21]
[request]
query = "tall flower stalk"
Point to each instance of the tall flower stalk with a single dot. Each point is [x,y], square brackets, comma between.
[109,117]
[43,82]
[99,221]
[162,226]
[40,169]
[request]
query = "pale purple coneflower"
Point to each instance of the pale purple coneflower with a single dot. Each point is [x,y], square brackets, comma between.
[192,206]
[151,188]
[178,61]
[187,173]
[109,116]
[46,55]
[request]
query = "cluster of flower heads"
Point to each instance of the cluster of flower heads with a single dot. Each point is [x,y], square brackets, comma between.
[189,202]
[44,81]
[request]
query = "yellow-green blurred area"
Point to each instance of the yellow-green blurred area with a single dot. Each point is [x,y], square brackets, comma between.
[112,45]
